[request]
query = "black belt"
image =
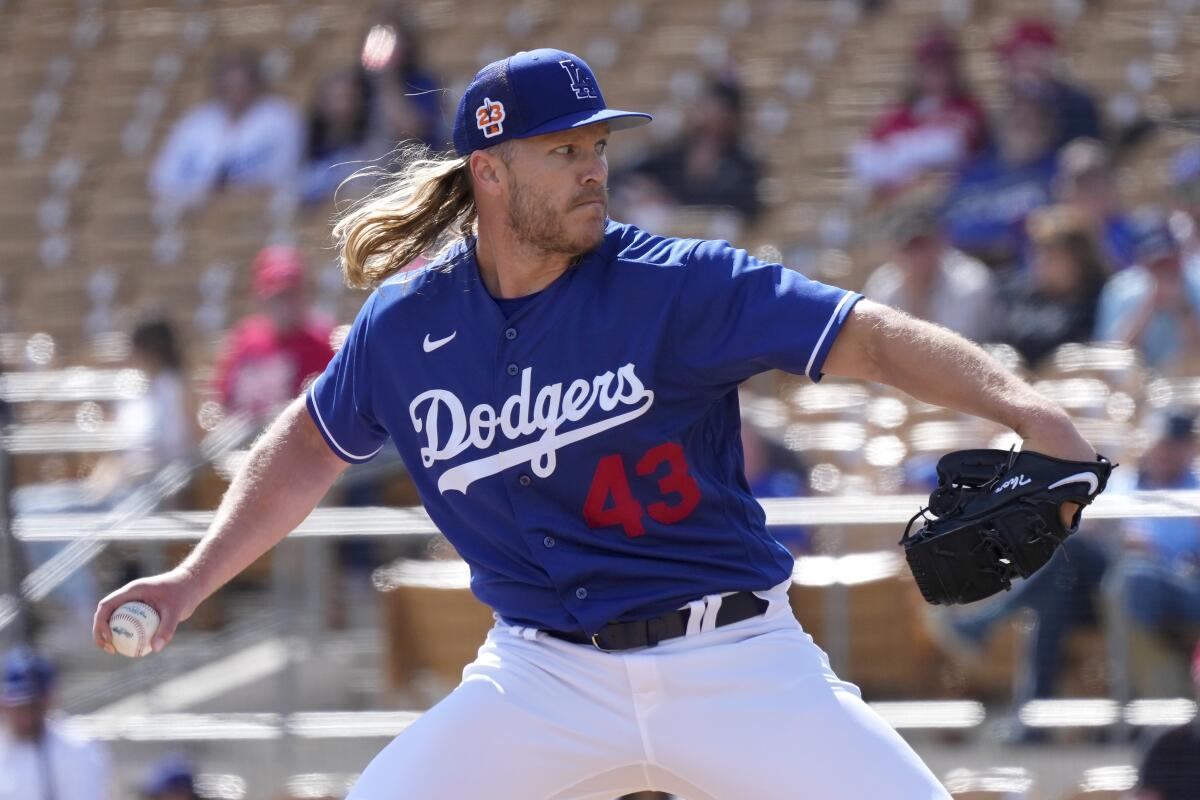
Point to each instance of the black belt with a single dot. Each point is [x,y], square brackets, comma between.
[649,632]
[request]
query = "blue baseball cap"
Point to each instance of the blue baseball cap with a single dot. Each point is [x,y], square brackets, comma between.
[27,677]
[529,94]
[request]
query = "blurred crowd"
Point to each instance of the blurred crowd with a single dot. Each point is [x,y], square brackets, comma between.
[1012,229]
[246,137]
[1005,224]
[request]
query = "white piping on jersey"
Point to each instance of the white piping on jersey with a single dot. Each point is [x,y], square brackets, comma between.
[824,333]
[521,415]
[329,434]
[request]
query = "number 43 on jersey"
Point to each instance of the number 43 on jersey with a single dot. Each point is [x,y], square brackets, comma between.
[610,500]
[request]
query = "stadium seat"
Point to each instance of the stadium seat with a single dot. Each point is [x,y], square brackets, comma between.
[997,783]
[434,625]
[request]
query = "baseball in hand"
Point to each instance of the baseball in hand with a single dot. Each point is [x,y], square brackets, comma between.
[132,626]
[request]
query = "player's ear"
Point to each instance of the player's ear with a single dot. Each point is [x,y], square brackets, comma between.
[487,172]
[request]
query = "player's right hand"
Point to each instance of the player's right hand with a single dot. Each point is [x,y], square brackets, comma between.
[174,595]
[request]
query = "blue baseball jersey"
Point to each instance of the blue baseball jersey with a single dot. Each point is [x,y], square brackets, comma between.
[581,449]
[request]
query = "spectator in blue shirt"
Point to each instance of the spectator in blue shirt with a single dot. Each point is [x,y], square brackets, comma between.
[986,210]
[1155,305]
[1085,181]
[1031,66]
[1155,588]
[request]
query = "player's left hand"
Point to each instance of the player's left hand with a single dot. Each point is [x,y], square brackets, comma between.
[1059,438]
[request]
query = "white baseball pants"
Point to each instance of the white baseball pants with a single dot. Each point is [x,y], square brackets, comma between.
[749,710]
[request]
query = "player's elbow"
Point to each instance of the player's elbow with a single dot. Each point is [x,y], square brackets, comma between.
[856,352]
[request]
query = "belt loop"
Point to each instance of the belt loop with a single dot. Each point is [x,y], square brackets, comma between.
[711,609]
[695,615]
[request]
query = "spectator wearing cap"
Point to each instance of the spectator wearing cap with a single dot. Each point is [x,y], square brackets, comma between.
[938,125]
[1085,181]
[242,138]
[172,777]
[1155,589]
[1170,769]
[986,209]
[1055,301]
[271,356]
[1032,69]
[1155,305]
[929,279]
[39,759]
[708,165]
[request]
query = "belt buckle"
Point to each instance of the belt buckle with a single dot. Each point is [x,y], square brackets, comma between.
[598,646]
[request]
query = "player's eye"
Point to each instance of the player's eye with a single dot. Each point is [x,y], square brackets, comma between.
[601,146]
[565,150]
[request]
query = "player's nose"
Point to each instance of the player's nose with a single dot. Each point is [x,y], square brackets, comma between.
[594,171]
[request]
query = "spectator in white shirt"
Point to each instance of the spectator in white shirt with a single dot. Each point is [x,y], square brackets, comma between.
[243,138]
[39,760]
[931,280]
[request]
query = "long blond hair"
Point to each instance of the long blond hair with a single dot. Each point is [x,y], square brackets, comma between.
[425,206]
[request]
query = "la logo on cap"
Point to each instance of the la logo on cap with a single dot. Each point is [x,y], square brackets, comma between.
[581,82]
[489,118]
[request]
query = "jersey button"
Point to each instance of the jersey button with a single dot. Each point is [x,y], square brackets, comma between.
[581,593]
[548,541]
[510,334]
[513,369]
[524,480]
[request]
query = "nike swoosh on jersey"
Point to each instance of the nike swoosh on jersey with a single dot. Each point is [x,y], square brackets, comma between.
[1086,477]
[429,346]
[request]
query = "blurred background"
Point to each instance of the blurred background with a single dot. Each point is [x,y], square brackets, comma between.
[1026,173]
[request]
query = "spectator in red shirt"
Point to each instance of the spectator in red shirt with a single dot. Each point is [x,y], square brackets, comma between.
[938,124]
[271,356]
[1032,69]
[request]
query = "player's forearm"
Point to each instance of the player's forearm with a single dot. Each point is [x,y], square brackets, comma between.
[286,474]
[940,367]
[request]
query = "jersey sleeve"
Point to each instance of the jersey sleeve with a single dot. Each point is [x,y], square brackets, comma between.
[340,400]
[738,316]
